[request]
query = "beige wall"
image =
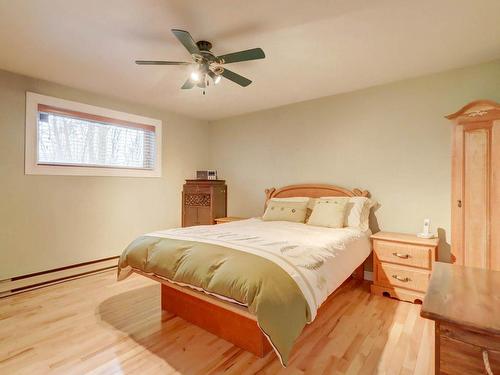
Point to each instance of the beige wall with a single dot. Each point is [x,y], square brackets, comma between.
[54,221]
[391,140]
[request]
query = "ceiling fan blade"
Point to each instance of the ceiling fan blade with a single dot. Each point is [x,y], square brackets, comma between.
[148,62]
[249,54]
[232,76]
[189,84]
[187,41]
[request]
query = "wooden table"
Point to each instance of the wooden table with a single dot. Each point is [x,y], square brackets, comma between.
[464,302]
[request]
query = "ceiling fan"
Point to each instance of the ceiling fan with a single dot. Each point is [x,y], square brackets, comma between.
[208,65]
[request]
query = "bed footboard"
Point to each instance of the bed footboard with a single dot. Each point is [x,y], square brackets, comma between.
[231,323]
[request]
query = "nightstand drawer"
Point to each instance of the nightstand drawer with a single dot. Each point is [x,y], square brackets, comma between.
[403,277]
[401,253]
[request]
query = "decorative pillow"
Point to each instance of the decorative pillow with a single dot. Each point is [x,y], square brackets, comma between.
[328,213]
[357,211]
[365,214]
[279,210]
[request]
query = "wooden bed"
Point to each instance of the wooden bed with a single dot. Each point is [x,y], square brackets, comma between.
[227,320]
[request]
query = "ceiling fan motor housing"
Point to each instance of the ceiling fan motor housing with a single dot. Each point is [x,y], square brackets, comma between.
[206,54]
[204,46]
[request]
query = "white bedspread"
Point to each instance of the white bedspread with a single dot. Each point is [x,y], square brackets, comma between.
[318,259]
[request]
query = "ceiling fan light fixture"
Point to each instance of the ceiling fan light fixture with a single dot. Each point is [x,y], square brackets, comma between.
[195,76]
[217,79]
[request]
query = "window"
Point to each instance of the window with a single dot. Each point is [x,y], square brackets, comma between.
[70,138]
[74,138]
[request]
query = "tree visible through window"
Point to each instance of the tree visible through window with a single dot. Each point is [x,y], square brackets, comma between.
[79,139]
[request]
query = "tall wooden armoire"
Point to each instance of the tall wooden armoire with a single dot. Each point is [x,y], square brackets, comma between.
[203,201]
[475,212]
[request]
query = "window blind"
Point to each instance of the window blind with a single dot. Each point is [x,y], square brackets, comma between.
[70,138]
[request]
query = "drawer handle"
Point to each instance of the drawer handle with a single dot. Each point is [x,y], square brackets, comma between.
[402,279]
[399,255]
[486,361]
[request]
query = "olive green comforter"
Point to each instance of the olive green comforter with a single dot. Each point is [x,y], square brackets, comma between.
[268,291]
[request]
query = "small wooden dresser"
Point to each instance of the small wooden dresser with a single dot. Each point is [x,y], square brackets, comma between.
[465,304]
[203,201]
[402,265]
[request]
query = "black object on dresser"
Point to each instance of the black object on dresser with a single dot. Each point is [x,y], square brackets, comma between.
[203,201]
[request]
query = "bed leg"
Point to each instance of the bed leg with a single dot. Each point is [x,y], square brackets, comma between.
[359,273]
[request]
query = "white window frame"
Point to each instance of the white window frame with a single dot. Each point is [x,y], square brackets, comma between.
[31,141]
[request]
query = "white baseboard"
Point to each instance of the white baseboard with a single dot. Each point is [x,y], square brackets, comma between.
[40,279]
[368,275]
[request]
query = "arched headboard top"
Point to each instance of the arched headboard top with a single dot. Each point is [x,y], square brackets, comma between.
[314,191]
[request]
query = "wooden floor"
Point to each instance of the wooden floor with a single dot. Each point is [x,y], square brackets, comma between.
[99,326]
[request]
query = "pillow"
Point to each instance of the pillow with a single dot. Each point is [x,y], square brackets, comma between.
[365,215]
[310,203]
[279,210]
[357,211]
[328,213]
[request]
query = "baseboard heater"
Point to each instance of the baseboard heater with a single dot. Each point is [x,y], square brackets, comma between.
[36,280]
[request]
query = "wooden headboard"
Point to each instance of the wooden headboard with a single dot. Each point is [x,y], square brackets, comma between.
[313,191]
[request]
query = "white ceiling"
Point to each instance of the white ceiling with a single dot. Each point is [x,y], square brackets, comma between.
[314,48]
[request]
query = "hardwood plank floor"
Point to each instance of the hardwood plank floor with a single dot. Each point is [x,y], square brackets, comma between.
[95,325]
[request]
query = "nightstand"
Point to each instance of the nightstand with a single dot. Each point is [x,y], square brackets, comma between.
[228,219]
[402,265]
